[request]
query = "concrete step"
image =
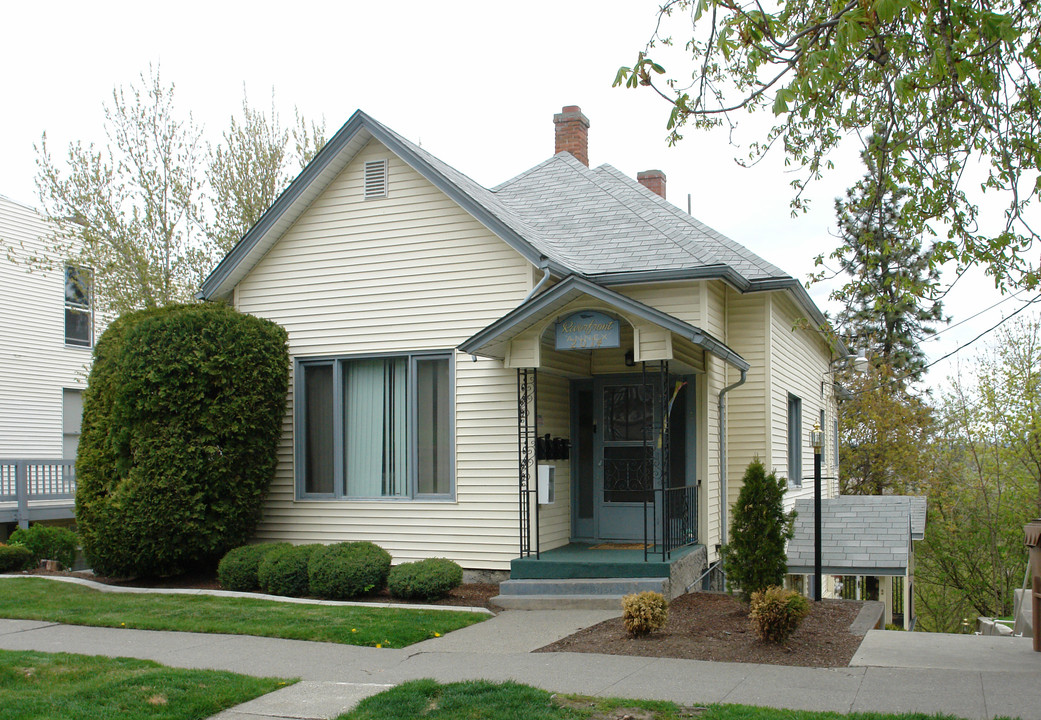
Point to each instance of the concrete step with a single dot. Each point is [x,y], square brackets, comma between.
[559,602]
[614,587]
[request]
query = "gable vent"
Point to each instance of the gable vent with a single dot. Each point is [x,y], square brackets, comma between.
[375,179]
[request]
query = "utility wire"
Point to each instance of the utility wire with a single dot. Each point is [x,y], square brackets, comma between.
[971,317]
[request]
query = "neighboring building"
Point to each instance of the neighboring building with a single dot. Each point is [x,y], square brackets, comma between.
[440,331]
[867,545]
[47,321]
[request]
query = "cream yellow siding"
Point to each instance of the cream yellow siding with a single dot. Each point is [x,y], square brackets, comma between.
[555,419]
[799,364]
[408,272]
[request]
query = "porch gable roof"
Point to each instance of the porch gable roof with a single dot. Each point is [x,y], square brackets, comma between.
[493,340]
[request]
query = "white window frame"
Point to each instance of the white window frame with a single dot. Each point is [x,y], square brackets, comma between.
[77,307]
[340,489]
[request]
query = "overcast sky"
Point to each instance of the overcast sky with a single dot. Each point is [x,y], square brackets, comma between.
[476,83]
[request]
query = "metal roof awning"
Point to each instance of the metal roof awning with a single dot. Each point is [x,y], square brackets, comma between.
[493,341]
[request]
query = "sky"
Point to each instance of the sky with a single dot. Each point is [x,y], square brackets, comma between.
[475,83]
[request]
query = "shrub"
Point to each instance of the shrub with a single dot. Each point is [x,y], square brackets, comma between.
[237,570]
[181,419]
[14,557]
[776,613]
[47,542]
[424,580]
[755,557]
[283,571]
[349,569]
[645,612]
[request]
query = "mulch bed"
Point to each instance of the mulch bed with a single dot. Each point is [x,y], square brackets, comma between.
[713,626]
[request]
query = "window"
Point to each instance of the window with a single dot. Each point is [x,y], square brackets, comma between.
[375,427]
[375,179]
[79,315]
[71,421]
[794,441]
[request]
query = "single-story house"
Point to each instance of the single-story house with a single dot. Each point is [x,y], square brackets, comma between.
[501,376]
[867,542]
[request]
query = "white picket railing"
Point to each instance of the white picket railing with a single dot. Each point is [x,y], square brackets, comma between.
[36,489]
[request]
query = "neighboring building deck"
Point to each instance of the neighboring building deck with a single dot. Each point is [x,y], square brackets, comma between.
[35,490]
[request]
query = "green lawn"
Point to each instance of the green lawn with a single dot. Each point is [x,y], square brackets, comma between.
[36,599]
[480,700]
[61,686]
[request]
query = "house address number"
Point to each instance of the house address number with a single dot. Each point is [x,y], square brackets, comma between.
[587,330]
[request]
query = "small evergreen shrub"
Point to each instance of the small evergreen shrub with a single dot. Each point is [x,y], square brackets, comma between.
[283,571]
[237,570]
[644,613]
[182,416]
[424,580]
[47,542]
[14,558]
[776,613]
[755,558]
[349,569]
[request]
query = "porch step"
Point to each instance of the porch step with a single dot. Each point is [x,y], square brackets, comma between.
[586,593]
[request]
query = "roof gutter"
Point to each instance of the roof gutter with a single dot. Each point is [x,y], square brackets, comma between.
[723,455]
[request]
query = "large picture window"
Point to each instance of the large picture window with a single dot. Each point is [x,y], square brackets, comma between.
[79,315]
[375,427]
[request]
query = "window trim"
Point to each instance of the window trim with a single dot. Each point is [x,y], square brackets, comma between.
[75,307]
[337,362]
[794,441]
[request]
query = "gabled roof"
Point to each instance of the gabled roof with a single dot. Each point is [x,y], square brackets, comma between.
[492,341]
[860,534]
[560,215]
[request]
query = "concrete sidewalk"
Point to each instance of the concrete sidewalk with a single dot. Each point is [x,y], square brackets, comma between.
[967,676]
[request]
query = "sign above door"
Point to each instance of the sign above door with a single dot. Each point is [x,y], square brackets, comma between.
[587,330]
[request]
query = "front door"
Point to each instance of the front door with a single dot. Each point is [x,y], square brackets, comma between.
[615,442]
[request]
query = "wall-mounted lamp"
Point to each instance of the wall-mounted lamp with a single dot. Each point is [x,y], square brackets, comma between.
[630,358]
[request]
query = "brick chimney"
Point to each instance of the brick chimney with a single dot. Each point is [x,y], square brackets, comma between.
[572,133]
[653,180]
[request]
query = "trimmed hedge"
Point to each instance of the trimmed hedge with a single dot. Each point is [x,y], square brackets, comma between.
[47,542]
[181,419]
[237,570]
[424,580]
[283,571]
[14,558]
[346,570]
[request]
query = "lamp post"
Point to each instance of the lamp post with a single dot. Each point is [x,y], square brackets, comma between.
[816,440]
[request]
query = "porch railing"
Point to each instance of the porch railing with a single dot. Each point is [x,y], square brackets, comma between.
[25,483]
[674,514]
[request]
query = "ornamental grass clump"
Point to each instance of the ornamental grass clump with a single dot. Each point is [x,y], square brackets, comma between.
[283,570]
[644,613]
[237,570]
[47,542]
[424,580]
[349,569]
[776,613]
[14,558]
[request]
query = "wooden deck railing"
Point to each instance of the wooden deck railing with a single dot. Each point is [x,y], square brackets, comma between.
[36,490]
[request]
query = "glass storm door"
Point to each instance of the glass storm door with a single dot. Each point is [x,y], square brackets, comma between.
[623,458]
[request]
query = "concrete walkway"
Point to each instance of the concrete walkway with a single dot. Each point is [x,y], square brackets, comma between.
[967,676]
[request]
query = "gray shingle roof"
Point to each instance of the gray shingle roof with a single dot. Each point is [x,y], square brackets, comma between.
[860,534]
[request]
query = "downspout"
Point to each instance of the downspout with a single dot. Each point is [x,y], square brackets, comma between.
[538,286]
[723,456]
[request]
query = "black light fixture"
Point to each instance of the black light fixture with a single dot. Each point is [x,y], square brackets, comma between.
[630,358]
[816,440]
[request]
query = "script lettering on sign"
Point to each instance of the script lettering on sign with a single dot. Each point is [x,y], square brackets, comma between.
[587,330]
